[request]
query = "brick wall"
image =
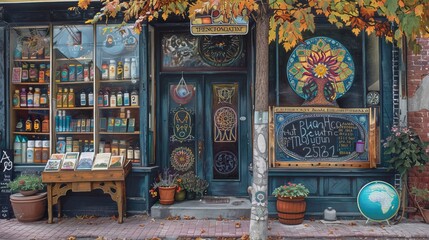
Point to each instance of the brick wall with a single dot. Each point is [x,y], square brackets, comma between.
[417,69]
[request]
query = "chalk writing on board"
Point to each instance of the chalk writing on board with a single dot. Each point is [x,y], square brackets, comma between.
[7,163]
[319,136]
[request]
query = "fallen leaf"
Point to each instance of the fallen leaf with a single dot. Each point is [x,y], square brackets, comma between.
[331,232]
[305,225]
[269,228]
[352,224]
[237,225]
[141,225]
[161,223]
[202,231]
[220,218]
[245,237]
[71,238]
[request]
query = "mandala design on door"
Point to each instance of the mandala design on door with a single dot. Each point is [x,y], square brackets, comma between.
[225,125]
[182,159]
[225,162]
[225,94]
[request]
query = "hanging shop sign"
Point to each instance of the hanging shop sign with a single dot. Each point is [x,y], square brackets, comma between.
[216,22]
[322,137]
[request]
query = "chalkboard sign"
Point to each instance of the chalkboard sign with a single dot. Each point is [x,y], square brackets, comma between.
[314,136]
[6,172]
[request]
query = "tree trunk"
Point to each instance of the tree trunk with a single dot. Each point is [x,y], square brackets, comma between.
[259,211]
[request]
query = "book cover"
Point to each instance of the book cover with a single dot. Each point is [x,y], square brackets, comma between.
[103,124]
[110,124]
[83,125]
[88,125]
[16,74]
[117,126]
[116,161]
[131,124]
[70,160]
[101,161]
[123,127]
[85,161]
[53,165]
[58,156]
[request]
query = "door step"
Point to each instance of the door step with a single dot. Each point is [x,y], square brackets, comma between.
[209,207]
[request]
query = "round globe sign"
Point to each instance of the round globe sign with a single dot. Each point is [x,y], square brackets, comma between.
[378,201]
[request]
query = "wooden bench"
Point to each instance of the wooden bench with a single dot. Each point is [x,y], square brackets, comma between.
[109,181]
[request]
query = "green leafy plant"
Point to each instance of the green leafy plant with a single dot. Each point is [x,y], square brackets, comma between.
[406,148]
[421,195]
[165,179]
[192,183]
[26,182]
[291,190]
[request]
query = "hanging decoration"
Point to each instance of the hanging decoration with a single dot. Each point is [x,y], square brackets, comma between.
[320,70]
[182,93]
[182,125]
[182,159]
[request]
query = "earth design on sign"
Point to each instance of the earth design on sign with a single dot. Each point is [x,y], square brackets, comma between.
[378,201]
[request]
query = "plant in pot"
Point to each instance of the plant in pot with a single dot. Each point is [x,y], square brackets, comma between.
[421,199]
[201,186]
[189,182]
[28,204]
[407,151]
[166,185]
[291,203]
[180,194]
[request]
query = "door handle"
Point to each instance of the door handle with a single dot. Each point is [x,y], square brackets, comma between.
[200,149]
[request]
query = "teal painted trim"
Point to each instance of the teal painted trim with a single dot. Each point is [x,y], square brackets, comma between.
[337,172]
[277,68]
[364,78]
[386,90]
[3,87]
[144,96]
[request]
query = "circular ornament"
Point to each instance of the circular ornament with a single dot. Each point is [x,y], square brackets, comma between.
[373,98]
[220,51]
[182,95]
[320,58]
[225,162]
[182,158]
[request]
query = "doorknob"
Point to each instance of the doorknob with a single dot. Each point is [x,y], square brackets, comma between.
[200,149]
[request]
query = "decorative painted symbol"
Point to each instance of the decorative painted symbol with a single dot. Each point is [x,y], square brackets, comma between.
[220,50]
[225,162]
[182,125]
[225,94]
[7,163]
[182,94]
[182,159]
[320,70]
[225,125]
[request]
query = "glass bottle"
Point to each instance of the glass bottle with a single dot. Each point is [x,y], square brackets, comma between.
[134,98]
[64,73]
[137,154]
[90,98]
[42,71]
[24,73]
[112,70]
[120,71]
[130,153]
[104,71]
[85,72]
[113,99]
[20,126]
[100,98]
[37,125]
[44,99]
[30,97]
[48,73]
[106,98]
[17,150]
[33,73]
[36,96]
[29,125]
[127,69]
[133,69]
[119,98]
[45,124]
[16,99]
[83,98]
[71,98]
[23,98]
[126,99]
[65,98]
[60,98]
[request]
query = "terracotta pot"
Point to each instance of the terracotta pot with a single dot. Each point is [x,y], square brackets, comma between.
[166,195]
[29,192]
[291,210]
[180,196]
[28,208]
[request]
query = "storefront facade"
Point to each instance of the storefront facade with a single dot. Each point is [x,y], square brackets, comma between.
[194,107]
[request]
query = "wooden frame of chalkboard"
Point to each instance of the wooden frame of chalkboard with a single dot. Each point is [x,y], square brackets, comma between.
[317,137]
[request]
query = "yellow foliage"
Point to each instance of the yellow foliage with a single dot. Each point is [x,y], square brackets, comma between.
[419,10]
[356,31]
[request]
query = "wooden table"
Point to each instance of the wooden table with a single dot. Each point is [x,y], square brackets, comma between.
[111,182]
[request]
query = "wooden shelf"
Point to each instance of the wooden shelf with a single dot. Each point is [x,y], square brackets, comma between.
[75,108]
[32,60]
[74,83]
[119,133]
[74,59]
[119,81]
[119,107]
[32,108]
[74,133]
[30,83]
[30,133]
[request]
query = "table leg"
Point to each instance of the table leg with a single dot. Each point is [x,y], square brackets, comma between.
[50,220]
[59,207]
[124,197]
[120,202]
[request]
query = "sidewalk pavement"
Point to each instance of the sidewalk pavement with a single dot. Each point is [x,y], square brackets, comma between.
[145,227]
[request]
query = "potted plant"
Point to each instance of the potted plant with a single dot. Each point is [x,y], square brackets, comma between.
[291,203]
[189,181]
[201,186]
[180,194]
[421,199]
[28,205]
[407,151]
[166,185]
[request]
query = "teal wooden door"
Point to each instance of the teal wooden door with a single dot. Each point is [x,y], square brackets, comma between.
[204,129]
